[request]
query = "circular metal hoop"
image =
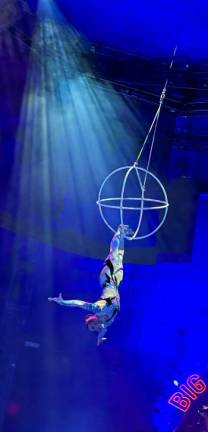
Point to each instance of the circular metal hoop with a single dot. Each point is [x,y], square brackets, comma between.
[140,202]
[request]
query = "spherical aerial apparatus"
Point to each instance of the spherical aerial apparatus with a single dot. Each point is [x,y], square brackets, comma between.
[138,191]
[140,205]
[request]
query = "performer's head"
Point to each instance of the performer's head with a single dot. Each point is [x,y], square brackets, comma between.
[93,323]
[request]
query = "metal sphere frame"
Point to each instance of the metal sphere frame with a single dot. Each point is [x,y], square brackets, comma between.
[160,204]
[142,200]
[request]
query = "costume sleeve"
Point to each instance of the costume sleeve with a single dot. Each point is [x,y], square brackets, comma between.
[91,307]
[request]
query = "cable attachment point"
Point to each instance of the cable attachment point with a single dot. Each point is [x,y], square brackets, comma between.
[163,94]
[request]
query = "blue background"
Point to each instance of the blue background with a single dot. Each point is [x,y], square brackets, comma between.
[61,134]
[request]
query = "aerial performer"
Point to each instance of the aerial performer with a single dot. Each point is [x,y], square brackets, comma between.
[104,310]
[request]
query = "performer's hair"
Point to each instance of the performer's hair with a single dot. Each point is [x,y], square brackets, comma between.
[91,319]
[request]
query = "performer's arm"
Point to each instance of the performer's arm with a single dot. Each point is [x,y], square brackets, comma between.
[101,334]
[117,241]
[91,307]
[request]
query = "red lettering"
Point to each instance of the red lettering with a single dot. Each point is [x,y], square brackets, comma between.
[187,391]
[196,384]
[179,401]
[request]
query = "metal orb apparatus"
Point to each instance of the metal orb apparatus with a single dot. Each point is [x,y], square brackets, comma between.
[141,203]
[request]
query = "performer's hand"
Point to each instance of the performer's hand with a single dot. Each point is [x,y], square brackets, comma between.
[125,230]
[101,340]
[58,299]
